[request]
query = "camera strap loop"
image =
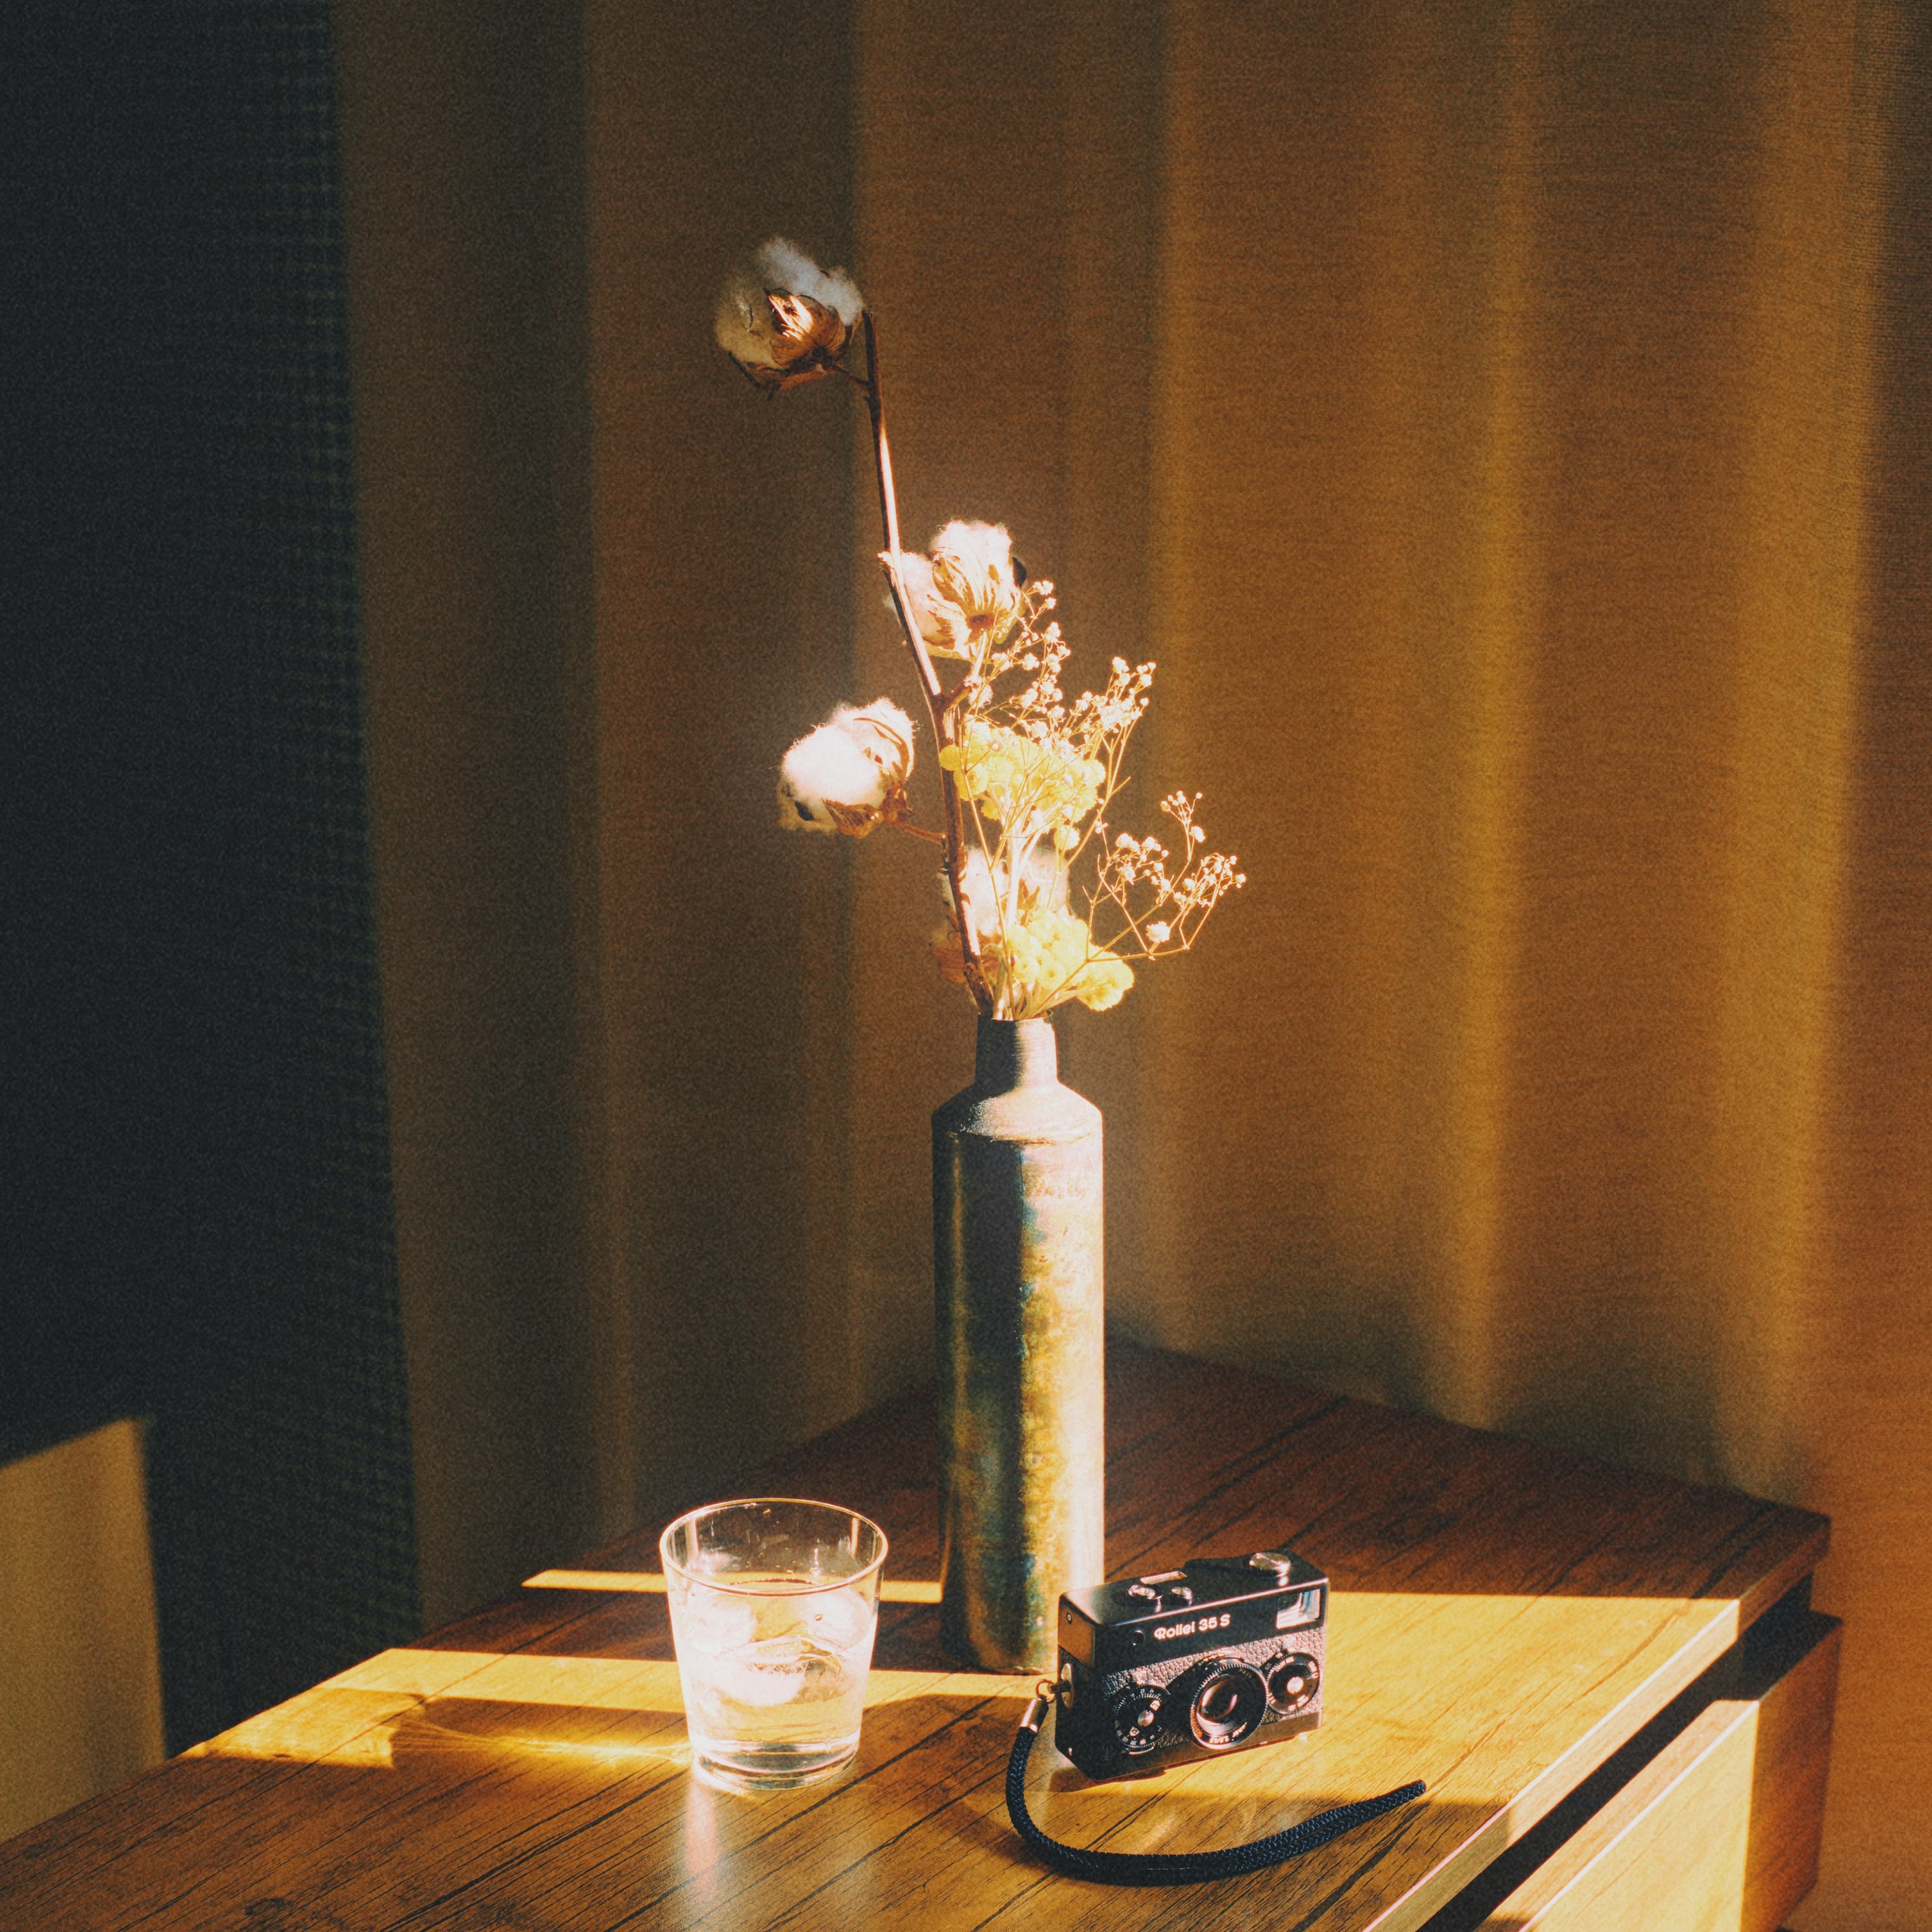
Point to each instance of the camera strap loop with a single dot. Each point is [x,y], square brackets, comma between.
[1178,1867]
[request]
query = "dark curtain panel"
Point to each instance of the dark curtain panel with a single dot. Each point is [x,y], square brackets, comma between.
[198,1144]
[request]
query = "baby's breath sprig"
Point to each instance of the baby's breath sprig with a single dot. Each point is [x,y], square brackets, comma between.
[1138,877]
[1026,775]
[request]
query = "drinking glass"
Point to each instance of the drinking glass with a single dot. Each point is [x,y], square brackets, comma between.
[773,1602]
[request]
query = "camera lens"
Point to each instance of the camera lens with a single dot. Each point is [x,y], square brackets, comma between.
[1292,1682]
[1229,1702]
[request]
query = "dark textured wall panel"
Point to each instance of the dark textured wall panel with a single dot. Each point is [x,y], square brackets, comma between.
[200,1138]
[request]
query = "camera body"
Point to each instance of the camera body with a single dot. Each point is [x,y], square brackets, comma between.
[1224,1654]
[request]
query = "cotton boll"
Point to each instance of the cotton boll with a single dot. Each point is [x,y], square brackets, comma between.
[973,581]
[780,264]
[986,550]
[742,326]
[964,594]
[828,765]
[884,733]
[802,814]
[939,623]
[785,320]
[850,775]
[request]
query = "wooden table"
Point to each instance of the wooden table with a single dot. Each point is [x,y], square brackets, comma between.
[1612,1683]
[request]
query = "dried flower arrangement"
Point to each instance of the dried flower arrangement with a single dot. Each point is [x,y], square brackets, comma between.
[1026,776]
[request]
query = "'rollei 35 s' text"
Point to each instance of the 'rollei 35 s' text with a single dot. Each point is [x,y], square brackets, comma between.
[1163,1631]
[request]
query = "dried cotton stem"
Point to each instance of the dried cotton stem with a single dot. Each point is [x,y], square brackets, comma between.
[938,707]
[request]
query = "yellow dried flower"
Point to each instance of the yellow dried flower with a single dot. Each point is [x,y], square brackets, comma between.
[1047,957]
[1015,779]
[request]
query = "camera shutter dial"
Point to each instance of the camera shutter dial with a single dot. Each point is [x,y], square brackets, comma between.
[1292,1682]
[1137,1718]
[1165,1591]
[1230,1701]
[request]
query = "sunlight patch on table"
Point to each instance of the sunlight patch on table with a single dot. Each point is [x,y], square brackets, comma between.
[604,1708]
[1445,1665]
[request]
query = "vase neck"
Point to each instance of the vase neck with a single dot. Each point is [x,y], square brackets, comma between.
[1016,1053]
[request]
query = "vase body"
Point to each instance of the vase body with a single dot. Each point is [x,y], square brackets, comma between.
[1017,1253]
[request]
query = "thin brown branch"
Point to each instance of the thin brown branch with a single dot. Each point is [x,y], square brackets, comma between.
[938,708]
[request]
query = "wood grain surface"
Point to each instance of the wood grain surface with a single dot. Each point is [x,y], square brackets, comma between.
[1717,1833]
[1504,1617]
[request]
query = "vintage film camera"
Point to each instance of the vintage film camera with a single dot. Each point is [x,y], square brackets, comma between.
[1223,1653]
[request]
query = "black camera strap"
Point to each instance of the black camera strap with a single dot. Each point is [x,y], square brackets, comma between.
[1178,1867]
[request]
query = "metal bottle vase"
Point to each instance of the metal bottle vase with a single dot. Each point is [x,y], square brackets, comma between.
[1017,1251]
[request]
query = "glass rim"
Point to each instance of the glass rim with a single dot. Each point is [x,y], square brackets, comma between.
[713,1582]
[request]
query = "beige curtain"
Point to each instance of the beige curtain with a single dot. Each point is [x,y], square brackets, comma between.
[1508,427]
